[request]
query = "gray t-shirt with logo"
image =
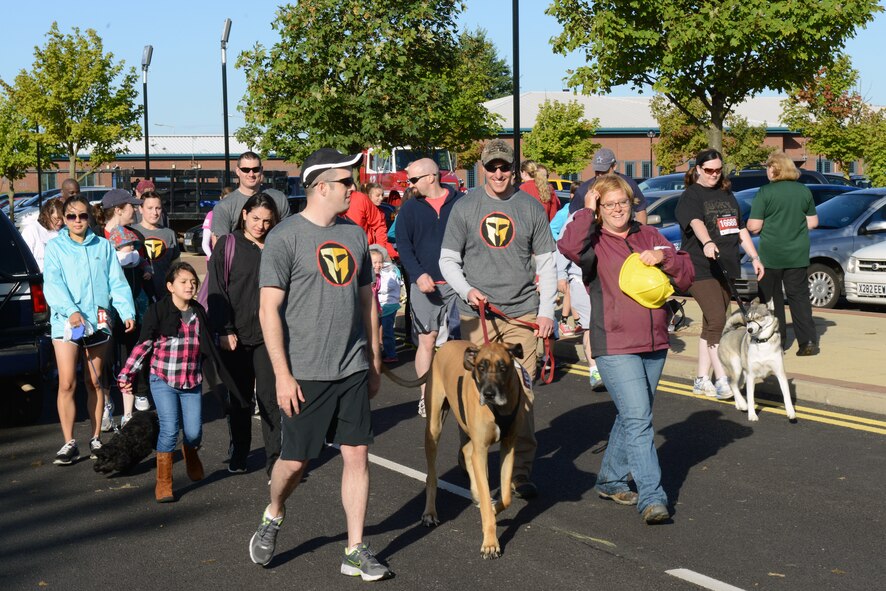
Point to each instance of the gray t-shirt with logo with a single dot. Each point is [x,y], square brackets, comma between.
[321,270]
[226,213]
[496,240]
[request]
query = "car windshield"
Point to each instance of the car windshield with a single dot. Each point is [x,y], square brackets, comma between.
[668,182]
[403,156]
[843,209]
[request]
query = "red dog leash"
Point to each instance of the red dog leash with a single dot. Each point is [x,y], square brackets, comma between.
[546,376]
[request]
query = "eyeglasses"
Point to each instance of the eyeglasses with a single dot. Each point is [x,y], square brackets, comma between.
[348,181]
[712,171]
[623,204]
[496,167]
[414,179]
[247,169]
[73,217]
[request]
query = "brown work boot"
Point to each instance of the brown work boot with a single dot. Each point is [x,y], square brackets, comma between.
[163,490]
[193,463]
[626,497]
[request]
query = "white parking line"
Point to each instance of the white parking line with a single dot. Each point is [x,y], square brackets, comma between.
[701,580]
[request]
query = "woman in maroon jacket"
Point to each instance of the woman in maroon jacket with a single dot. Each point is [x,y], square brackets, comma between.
[629,341]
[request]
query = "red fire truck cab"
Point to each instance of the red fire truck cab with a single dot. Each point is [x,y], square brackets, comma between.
[389,170]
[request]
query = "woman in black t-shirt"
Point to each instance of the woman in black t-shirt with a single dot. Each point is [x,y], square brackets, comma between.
[712,226]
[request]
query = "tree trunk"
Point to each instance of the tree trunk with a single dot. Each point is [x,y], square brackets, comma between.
[715,135]
[72,166]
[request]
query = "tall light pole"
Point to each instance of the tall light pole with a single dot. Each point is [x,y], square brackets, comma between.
[226,31]
[516,35]
[146,62]
[650,134]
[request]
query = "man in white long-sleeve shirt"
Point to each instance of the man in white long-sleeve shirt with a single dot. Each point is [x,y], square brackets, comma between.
[497,241]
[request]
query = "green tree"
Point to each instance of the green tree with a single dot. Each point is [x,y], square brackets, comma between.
[719,52]
[72,92]
[830,113]
[378,73]
[682,138]
[874,152]
[18,146]
[561,138]
[481,54]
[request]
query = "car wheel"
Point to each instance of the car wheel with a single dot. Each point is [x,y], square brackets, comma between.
[22,404]
[825,286]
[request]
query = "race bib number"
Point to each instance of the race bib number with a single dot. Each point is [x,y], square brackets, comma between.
[103,320]
[727,225]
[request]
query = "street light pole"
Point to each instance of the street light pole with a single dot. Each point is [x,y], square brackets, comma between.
[146,62]
[226,31]
[650,134]
[516,36]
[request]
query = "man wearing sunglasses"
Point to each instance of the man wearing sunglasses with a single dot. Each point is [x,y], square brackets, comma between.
[604,163]
[420,226]
[226,213]
[497,240]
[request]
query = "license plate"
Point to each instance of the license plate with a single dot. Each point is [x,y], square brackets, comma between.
[188,240]
[872,289]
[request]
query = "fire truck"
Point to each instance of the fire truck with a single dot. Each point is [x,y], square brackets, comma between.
[389,169]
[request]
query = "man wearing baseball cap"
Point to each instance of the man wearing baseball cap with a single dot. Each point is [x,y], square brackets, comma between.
[604,163]
[320,324]
[498,227]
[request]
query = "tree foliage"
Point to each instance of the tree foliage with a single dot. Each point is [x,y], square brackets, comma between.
[561,138]
[830,113]
[351,75]
[875,148]
[682,138]
[75,93]
[718,52]
[481,54]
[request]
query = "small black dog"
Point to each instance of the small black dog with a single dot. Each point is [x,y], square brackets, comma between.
[133,443]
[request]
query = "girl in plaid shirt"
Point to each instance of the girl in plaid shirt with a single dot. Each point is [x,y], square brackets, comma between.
[175,337]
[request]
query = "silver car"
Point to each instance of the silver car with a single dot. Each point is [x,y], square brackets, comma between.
[846,223]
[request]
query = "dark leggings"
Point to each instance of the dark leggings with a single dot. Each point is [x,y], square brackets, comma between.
[796,288]
[712,297]
[250,368]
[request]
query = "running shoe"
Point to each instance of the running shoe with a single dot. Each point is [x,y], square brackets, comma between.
[595,378]
[95,444]
[264,540]
[142,403]
[724,392]
[125,419]
[68,454]
[108,416]
[566,330]
[703,385]
[422,412]
[360,562]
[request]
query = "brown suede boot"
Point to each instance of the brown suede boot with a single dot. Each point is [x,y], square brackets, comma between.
[193,463]
[163,490]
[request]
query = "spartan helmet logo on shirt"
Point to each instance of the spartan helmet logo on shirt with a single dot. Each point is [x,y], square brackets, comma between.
[497,230]
[155,248]
[337,264]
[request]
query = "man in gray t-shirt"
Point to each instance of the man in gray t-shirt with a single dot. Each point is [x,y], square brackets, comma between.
[320,324]
[497,240]
[226,213]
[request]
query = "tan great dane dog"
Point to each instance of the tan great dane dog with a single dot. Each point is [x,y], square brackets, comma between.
[483,387]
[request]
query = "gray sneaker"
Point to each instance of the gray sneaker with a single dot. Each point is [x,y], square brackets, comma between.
[95,444]
[264,540]
[361,562]
[142,403]
[108,416]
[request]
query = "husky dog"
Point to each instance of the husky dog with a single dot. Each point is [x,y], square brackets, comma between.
[750,349]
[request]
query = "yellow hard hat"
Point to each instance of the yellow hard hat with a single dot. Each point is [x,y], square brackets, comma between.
[646,285]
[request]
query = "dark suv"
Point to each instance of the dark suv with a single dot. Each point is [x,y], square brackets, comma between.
[25,351]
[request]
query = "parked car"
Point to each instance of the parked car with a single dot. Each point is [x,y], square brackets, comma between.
[192,239]
[865,281]
[25,353]
[742,179]
[561,184]
[93,195]
[665,182]
[660,207]
[846,223]
[837,179]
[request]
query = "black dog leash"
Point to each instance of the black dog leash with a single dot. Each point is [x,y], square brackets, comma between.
[732,288]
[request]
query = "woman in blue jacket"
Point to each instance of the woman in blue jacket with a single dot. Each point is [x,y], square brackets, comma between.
[82,280]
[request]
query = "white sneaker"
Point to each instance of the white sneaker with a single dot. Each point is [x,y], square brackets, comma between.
[142,403]
[124,419]
[703,385]
[108,416]
[724,392]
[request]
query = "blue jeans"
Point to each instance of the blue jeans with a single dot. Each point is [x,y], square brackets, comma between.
[177,408]
[632,381]
[389,343]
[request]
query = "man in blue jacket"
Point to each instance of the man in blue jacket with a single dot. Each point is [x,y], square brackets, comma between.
[420,226]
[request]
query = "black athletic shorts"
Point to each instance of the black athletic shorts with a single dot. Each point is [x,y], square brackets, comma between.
[334,411]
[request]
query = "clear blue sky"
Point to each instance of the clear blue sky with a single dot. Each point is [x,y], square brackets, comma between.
[184,81]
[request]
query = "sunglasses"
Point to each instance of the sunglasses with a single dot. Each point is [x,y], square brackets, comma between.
[348,181]
[247,169]
[712,171]
[497,167]
[73,217]
[414,179]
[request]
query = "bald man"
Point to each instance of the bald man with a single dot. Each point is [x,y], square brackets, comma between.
[70,188]
[419,232]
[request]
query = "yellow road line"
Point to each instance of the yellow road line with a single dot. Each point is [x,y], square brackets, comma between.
[810,414]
